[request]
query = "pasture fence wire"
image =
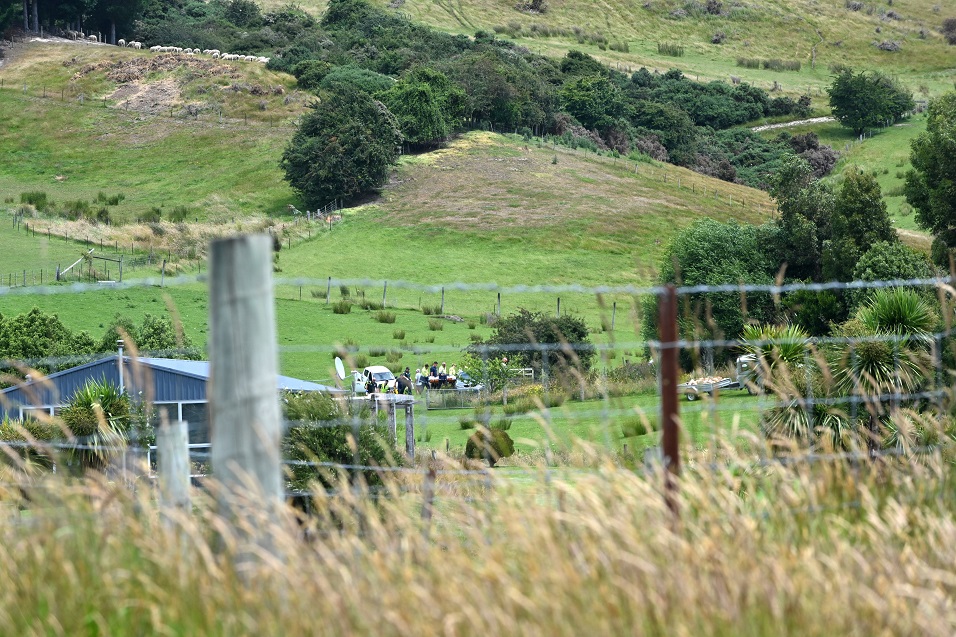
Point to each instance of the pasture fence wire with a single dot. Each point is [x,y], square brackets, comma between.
[814,404]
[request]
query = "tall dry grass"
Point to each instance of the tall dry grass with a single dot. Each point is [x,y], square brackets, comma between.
[806,548]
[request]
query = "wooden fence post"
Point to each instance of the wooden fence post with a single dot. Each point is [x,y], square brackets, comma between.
[410,430]
[172,465]
[244,404]
[390,418]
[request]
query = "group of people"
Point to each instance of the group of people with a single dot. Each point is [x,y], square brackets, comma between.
[435,376]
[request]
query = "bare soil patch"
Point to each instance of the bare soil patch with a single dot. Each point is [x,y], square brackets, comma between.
[153,98]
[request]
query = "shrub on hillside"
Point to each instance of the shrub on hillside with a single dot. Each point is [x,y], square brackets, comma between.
[949,30]
[342,149]
[489,444]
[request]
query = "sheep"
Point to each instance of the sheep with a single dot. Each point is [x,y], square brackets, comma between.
[93,38]
[121,42]
[137,45]
[155,49]
[215,55]
[264,60]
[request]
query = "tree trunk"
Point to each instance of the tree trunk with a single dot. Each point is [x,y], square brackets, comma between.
[36,15]
[112,31]
[26,16]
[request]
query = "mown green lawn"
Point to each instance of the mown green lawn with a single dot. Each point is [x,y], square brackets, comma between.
[598,423]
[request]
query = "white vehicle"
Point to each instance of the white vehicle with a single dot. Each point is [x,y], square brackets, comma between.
[383,378]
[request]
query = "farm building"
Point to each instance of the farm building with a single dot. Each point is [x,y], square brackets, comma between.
[177,387]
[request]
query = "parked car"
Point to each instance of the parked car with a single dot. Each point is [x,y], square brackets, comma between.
[382,376]
[465,381]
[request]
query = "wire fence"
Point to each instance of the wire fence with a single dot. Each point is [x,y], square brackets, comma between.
[880,395]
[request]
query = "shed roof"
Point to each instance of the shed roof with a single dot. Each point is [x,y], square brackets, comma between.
[168,380]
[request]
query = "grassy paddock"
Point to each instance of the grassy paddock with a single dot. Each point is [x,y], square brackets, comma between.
[807,549]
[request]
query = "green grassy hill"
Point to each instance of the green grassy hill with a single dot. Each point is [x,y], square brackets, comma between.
[486,209]
[825,31]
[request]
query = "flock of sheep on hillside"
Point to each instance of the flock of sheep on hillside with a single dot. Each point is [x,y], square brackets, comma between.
[214,53]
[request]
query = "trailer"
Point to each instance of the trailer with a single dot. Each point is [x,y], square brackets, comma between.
[747,377]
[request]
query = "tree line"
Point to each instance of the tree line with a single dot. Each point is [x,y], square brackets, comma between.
[44,343]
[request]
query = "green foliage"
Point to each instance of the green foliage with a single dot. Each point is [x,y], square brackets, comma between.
[776,344]
[859,221]
[398,335]
[29,430]
[323,431]
[157,335]
[712,253]
[345,79]
[309,73]
[36,336]
[310,407]
[593,100]
[96,405]
[428,107]
[899,312]
[635,425]
[99,415]
[930,185]
[806,211]
[385,317]
[37,199]
[342,307]
[490,444]
[493,373]
[861,101]
[343,148]
[886,261]
[436,325]
[547,344]
[670,48]
[814,311]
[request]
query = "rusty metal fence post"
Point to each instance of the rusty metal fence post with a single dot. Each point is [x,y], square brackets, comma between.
[670,418]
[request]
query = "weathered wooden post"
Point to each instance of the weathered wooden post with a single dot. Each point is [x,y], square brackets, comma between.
[410,429]
[172,464]
[244,406]
[390,417]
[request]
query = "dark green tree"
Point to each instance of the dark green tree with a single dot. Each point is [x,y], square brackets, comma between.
[344,148]
[888,261]
[861,101]
[859,221]
[9,11]
[593,100]
[543,342]
[42,341]
[806,208]
[157,336]
[712,253]
[428,107]
[118,14]
[931,183]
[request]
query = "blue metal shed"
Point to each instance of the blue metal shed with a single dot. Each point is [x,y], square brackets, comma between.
[177,387]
